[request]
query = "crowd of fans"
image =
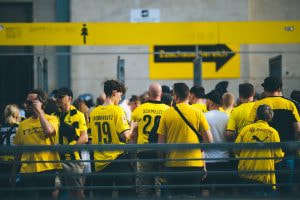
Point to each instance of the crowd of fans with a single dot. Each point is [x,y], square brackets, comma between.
[161,115]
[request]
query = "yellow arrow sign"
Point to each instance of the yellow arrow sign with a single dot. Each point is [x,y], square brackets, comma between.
[57,34]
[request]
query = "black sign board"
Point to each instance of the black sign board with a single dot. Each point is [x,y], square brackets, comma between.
[219,53]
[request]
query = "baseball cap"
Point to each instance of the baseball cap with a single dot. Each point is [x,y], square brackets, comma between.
[63,91]
[214,96]
[271,84]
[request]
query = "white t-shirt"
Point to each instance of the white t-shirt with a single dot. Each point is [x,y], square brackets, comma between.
[217,121]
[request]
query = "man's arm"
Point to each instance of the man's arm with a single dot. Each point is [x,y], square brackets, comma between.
[129,134]
[230,135]
[161,140]
[297,130]
[83,139]
[46,126]
[207,136]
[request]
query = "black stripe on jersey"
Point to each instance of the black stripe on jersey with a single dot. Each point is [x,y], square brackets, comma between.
[156,102]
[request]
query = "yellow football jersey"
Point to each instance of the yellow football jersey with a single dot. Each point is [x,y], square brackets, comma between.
[75,118]
[201,106]
[30,132]
[285,114]
[227,111]
[257,133]
[148,115]
[239,117]
[177,131]
[107,123]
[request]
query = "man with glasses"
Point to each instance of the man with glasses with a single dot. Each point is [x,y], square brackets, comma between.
[72,131]
[38,129]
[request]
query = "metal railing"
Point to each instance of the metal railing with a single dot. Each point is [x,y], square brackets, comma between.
[132,148]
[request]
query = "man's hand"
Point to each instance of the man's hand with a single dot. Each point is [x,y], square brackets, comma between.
[37,106]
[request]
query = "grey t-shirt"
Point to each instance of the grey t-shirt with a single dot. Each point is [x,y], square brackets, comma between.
[217,121]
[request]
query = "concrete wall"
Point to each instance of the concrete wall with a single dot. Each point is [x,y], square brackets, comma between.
[268,10]
[137,66]
[89,72]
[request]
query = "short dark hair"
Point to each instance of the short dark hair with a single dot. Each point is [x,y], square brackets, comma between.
[165,89]
[246,90]
[181,90]
[272,84]
[214,96]
[198,91]
[41,96]
[264,112]
[111,85]
[167,99]
[134,98]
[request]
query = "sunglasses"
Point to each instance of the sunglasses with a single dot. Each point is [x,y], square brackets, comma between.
[60,96]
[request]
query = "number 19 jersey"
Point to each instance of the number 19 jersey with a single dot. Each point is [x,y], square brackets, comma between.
[107,123]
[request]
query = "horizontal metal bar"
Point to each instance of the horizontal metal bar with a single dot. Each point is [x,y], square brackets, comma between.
[292,146]
[147,186]
[159,173]
[158,160]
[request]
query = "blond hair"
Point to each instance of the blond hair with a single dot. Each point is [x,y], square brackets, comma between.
[11,114]
[227,100]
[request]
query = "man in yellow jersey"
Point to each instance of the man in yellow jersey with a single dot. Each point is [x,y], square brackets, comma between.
[72,131]
[109,125]
[148,116]
[259,132]
[197,97]
[239,115]
[38,129]
[173,129]
[286,121]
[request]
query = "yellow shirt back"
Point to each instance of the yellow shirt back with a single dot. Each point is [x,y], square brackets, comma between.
[239,117]
[200,106]
[107,123]
[177,131]
[257,133]
[285,114]
[148,115]
[30,132]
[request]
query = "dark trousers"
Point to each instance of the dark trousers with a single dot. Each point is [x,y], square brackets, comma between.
[257,190]
[217,178]
[184,179]
[118,180]
[5,171]
[287,163]
[40,181]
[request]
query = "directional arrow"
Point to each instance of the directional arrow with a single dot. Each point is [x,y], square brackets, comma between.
[219,53]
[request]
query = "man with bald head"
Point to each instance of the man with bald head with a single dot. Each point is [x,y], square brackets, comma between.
[148,116]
